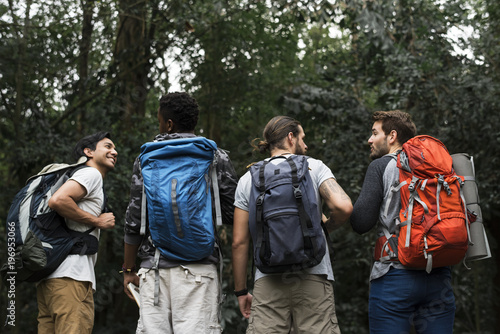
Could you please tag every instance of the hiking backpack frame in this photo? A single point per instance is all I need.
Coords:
(432, 229)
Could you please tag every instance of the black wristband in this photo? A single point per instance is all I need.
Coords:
(241, 292)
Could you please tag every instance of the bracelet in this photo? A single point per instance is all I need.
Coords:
(127, 270)
(241, 292)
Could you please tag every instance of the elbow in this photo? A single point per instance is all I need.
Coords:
(347, 210)
(343, 212)
(237, 245)
(55, 203)
(359, 224)
(357, 229)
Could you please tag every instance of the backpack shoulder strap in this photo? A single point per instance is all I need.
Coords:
(215, 187)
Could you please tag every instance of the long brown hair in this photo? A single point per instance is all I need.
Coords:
(275, 131)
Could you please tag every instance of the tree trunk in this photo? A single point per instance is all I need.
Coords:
(83, 61)
(132, 58)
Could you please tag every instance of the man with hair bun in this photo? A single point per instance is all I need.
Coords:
(302, 299)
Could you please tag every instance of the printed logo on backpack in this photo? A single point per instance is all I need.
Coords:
(284, 216)
(433, 225)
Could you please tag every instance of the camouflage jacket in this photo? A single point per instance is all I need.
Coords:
(227, 180)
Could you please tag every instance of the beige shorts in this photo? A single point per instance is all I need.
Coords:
(188, 300)
(284, 302)
(65, 306)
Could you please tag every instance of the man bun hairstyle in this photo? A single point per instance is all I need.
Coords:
(275, 131)
(182, 109)
(89, 141)
(397, 120)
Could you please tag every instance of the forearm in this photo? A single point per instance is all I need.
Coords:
(367, 207)
(338, 202)
(129, 255)
(241, 245)
(240, 262)
(129, 272)
(68, 209)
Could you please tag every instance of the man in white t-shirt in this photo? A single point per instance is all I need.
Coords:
(304, 299)
(65, 298)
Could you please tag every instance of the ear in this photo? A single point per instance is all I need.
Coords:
(169, 125)
(290, 138)
(393, 137)
(88, 152)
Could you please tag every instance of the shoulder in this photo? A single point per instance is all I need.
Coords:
(222, 155)
(381, 164)
(316, 163)
(87, 171)
(89, 177)
(319, 170)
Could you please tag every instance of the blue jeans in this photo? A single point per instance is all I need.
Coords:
(402, 298)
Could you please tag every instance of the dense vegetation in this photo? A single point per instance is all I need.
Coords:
(68, 69)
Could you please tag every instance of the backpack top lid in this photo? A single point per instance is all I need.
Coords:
(274, 176)
(54, 167)
(425, 157)
(192, 146)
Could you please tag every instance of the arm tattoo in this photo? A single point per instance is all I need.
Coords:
(334, 187)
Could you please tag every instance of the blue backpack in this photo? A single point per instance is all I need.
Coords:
(177, 174)
(284, 216)
(39, 236)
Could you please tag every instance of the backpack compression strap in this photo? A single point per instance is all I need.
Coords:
(259, 210)
(305, 220)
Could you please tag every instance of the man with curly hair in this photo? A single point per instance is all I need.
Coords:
(188, 292)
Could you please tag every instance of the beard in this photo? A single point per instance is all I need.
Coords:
(380, 150)
(299, 150)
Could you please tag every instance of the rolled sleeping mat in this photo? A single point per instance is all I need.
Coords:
(463, 164)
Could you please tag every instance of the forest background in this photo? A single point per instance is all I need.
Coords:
(70, 68)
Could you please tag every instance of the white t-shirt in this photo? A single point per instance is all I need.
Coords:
(81, 267)
(319, 173)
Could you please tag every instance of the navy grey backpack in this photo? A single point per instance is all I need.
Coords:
(38, 237)
(284, 216)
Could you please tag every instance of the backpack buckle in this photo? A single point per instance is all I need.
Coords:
(260, 200)
(297, 193)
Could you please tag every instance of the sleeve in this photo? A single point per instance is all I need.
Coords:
(367, 207)
(227, 180)
(323, 172)
(133, 214)
(89, 178)
(241, 200)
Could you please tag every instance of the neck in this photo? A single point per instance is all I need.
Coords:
(101, 170)
(395, 148)
(279, 152)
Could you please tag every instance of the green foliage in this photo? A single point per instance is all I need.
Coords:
(328, 64)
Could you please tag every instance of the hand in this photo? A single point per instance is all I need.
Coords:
(245, 303)
(130, 278)
(106, 221)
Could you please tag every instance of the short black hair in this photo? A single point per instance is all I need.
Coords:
(182, 109)
(89, 142)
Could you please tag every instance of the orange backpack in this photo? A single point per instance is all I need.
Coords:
(433, 225)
